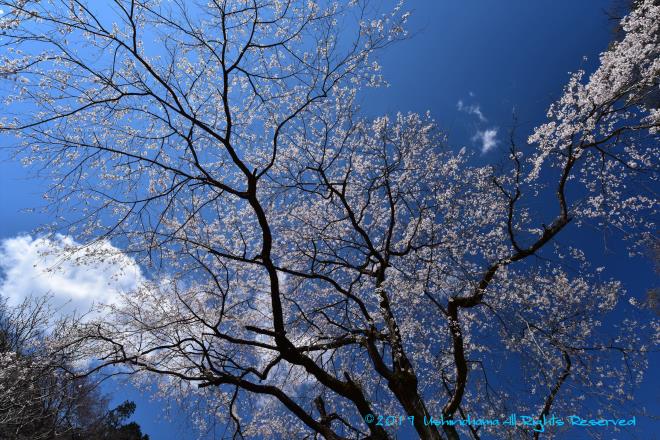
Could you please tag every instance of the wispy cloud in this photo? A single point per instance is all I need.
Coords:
(75, 278)
(487, 138)
(471, 109)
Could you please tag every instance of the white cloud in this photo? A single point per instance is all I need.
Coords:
(75, 277)
(488, 139)
(471, 109)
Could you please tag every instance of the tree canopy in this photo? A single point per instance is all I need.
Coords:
(38, 399)
(309, 267)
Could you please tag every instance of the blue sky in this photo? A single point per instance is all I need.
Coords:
(470, 63)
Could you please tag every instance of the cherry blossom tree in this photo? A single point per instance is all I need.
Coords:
(311, 269)
(38, 399)
(25, 384)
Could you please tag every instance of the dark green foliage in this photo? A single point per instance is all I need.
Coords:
(113, 425)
